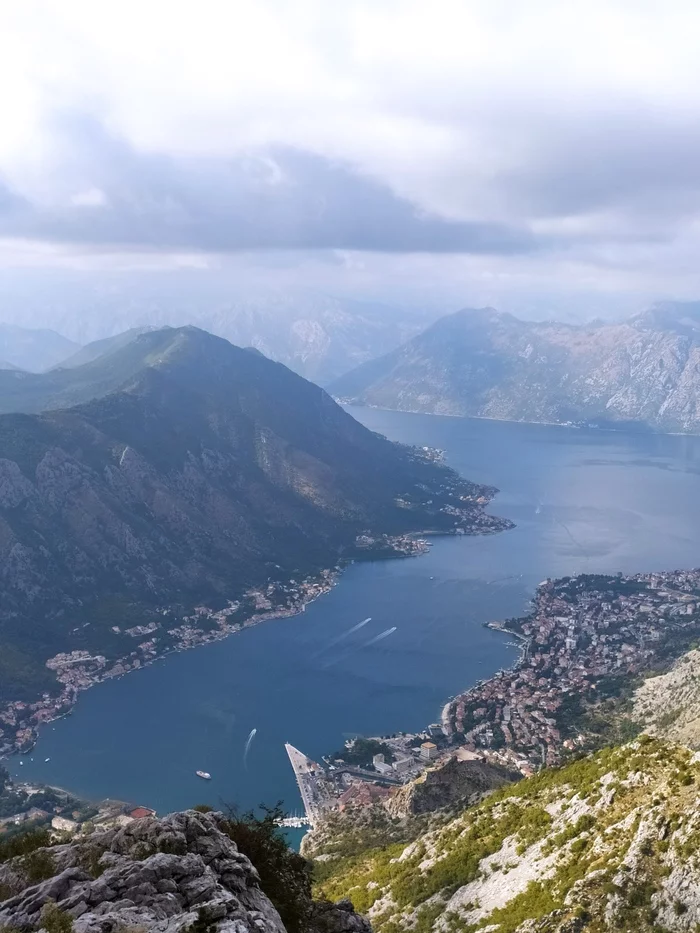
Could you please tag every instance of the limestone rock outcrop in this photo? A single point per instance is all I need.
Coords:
(153, 875)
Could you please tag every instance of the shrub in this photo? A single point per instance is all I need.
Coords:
(285, 876)
(54, 920)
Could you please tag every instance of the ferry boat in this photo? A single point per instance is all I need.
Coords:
(204, 775)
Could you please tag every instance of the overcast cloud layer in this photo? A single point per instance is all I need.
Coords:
(522, 149)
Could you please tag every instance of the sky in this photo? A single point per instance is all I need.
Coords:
(542, 156)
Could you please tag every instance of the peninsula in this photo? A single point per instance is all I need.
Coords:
(585, 637)
(582, 645)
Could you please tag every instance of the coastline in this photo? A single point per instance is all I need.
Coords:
(571, 425)
(581, 632)
(96, 669)
(77, 671)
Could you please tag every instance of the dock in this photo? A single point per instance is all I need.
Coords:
(309, 775)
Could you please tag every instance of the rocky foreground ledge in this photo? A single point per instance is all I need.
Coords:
(166, 875)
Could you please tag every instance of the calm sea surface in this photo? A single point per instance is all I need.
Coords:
(582, 501)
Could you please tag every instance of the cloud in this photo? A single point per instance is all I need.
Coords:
(102, 190)
(544, 142)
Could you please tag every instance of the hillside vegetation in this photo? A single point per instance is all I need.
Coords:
(608, 842)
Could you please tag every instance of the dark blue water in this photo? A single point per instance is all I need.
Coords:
(582, 501)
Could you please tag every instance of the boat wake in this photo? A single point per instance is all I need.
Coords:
(248, 743)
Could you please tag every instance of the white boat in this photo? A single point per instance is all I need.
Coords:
(203, 774)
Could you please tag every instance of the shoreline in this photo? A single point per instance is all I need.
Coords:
(571, 425)
(326, 580)
(581, 630)
(77, 671)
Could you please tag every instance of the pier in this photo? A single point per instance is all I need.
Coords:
(310, 779)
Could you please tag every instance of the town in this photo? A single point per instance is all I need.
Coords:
(581, 629)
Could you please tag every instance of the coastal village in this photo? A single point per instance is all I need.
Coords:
(162, 633)
(75, 671)
(26, 806)
(581, 630)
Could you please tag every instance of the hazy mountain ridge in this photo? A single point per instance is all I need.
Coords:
(98, 348)
(483, 363)
(66, 386)
(33, 349)
(319, 335)
(211, 470)
(323, 338)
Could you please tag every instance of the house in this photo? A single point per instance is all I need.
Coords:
(362, 795)
(141, 812)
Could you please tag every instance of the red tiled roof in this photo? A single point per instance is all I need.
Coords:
(140, 812)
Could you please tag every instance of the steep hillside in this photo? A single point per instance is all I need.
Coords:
(669, 705)
(96, 349)
(101, 371)
(609, 842)
(210, 472)
(33, 349)
(645, 372)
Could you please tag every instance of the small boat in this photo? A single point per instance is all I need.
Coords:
(204, 775)
(47, 759)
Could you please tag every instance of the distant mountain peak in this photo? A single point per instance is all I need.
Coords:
(481, 362)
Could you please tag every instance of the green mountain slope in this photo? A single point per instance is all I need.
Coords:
(607, 843)
(488, 364)
(64, 387)
(210, 471)
(96, 349)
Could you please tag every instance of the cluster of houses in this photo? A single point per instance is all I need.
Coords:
(581, 629)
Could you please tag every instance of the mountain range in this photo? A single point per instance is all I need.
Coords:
(180, 470)
(318, 335)
(33, 349)
(644, 372)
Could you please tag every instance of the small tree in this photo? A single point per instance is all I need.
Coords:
(285, 876)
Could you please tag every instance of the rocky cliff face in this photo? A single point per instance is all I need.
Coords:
(482, 363)
(610, 842)
(443, 786)
(166, 875)
(669, 705)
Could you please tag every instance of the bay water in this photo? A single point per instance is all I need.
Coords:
(582, 500)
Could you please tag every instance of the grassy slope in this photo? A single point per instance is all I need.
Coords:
(611, 841)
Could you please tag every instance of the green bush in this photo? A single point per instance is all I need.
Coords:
(285, 876)
(54, 920)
